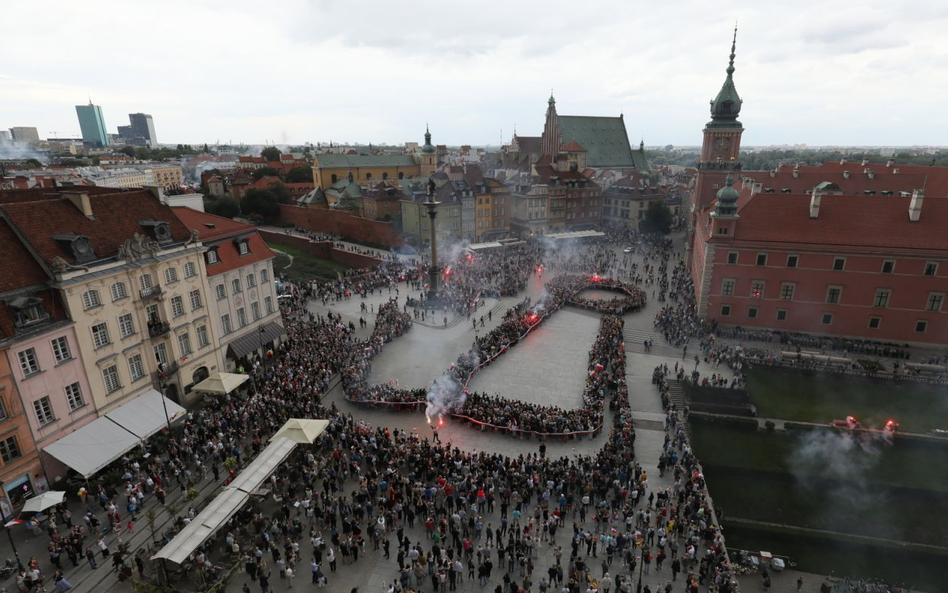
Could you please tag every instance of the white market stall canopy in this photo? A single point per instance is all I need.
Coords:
(221, 383)
(302, 430)
(255, 474)
(203, 526)
(228, 502)
(145, 415)
(575, 235)
(105, 439)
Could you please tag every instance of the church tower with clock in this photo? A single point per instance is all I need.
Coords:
(721, 148)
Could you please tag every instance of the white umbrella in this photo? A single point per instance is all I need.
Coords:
(45, 500)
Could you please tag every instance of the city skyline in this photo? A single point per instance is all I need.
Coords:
(818, 75)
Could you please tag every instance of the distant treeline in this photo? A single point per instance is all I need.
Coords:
(766, 160)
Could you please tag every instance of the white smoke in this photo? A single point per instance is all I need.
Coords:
(842, 458)
(445, 395)
(11, 150)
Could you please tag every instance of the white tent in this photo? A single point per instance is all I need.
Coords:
(93, 446)
(221, 383)
(145, 415)
(228, 502)
(302, 430)
(203, 526)
(105, 439)
(255, 474)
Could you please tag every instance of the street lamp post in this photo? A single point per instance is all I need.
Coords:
(638, 588)
(3, 516)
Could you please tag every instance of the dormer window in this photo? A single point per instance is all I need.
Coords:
(243, 248)
(158, 230)
(79, 245)
(27, 311)
(212, 256)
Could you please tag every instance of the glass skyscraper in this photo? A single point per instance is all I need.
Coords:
(92, 124)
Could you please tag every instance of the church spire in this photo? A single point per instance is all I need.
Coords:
(727, 105)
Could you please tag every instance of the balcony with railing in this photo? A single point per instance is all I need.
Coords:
(166, 370)
(156, 329)
(150, 293)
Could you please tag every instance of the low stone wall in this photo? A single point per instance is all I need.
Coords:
(375, 232)
(321, 250)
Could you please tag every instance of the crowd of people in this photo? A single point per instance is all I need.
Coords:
(495, 411)
(605, 373)
(363, 491)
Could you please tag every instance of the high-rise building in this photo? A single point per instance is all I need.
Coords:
(143, 125)
(24, 134)
(92, 124)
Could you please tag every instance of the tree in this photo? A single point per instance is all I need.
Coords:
(658, 218)
(271, 154)
(264, 172)
(222, 206)
(299, 175)
(260, 202)
(282, 194)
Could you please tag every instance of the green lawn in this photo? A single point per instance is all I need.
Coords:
(824, 397)
(304, 267)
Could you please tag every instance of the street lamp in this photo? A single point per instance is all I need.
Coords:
(3, 516)
(638, 588)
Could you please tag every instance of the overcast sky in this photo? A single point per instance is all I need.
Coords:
(288, 71)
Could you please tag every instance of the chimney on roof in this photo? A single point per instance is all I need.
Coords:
(773, 173)
(815, 203)
(870, 173)
(80, 199)
(890, 162)
(845, 174)
(865, 161)
(842, 161)
(895, 171)
(796, 172)
(915, 206)
(157, 191)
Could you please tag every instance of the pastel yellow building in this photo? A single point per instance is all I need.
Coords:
(133, 279)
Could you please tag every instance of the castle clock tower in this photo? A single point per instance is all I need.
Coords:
(721, 148)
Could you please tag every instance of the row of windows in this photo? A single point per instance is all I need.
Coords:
(243, 248)
(136, 366)
(236, 287)
(833, 294)
(242, 315)
(334, 178)
(487, 213)
(875, 322)
(43, 407)
(839, 263)
(126, 324)
(29, 362)
(119, 290)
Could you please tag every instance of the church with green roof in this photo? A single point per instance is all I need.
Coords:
(603, 139)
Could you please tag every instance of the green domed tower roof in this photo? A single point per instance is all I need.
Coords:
(727, 197)
(427, 148)
(727, 105)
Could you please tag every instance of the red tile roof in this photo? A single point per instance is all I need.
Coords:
(847, 220)
(217, 236)
(18, 269)
(573, 146)
(115, 219)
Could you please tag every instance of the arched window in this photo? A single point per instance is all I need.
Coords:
(333, 178)
(401, 175)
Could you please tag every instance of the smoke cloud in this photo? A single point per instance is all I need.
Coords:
(17, 150)
(840, 461)
(444, 395)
